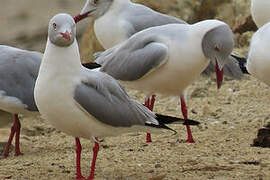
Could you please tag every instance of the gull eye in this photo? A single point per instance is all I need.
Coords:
(95, 1)
(54, 26)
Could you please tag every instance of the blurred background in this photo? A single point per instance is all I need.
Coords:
(24, 22)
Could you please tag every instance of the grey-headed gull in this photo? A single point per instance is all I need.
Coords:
(82, 102)
(18, 73)
(166, 59)
(116, 21)
(260, 12)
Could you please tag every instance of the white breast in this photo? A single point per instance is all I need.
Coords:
(111, 29)
(13, 105)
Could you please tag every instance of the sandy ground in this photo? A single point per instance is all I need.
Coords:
(230, 119)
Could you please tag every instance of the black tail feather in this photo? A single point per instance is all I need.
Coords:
(91, 65)
(242, 63)
(163, 119)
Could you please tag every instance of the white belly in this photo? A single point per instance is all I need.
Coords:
(13, 105)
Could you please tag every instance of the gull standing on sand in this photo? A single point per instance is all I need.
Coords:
(85, 103)
(117, 20)
(260, 12)
(166, 59)
(18, 73)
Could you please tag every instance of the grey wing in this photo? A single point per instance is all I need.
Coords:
(102, 97)
(105, 53)
(134, 59)
(18, 73)
(142, 17)
(231, 69)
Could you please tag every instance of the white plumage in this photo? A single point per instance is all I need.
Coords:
(260, 12)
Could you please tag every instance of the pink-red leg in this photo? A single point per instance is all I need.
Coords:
(95, 153)
(219, 75)
(149, 103)
(78, 159)
(17, 136)
(185, 114)
(152, 102)
(16, 128)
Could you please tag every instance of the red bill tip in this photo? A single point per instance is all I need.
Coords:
(79, 17)
(66, 35)
(219, 75)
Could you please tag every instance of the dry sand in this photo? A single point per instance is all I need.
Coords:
(230, 119)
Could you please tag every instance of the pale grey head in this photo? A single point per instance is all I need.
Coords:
(218, 44)
(62, 30)
(96, 8)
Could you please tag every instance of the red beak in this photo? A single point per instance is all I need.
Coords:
(79, 17)
(219, 74)
(66, 35)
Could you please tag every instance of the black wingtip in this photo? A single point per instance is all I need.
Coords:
(191, 123)
(164, 119)
(161, 126)
(242, 63)
(91, 65)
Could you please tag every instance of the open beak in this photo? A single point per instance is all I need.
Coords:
(80, 17)
(219, 74)
(66, 35)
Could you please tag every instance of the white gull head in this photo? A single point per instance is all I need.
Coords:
(62, 30)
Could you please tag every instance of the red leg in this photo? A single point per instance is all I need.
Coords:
(13, 130)
(78, 159)
(149, 103)
(219, 75)
(17, 137)
(95, 153)
(148, 138)
(148, 135)
(152, 102)
(185, 114)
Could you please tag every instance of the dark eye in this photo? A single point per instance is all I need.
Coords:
(95, 1)
(54, 26)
